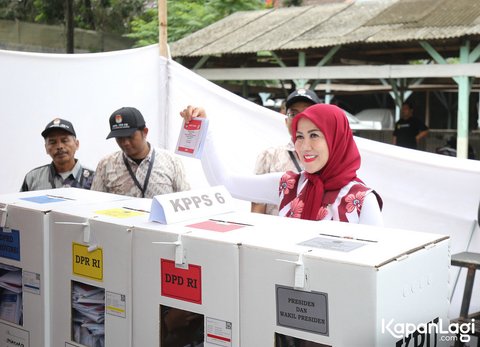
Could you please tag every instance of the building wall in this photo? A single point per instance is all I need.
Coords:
(31, 37)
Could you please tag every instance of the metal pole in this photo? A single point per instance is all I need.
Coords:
(463, 106)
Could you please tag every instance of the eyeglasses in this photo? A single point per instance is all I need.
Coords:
(291, 114)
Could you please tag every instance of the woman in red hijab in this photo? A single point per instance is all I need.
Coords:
(327, 189)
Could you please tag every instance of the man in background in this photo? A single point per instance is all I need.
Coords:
(61, 144)
(409, 130)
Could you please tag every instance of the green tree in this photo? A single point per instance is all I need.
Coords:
(49, 11)
(135, 18)
(186, 17)
(21, 9)
(109, 15)
(112, 16)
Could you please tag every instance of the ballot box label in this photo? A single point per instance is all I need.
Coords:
(191, 204)
(87, 264)
(334, 243)
(217, 225)
(43, 199)
(10, 243)
(219, 332)
(116, 304)
(301, 310)
(183, 284)
(31, 282)
(121, 213)
(11, 336)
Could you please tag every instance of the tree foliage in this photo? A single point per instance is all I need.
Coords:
(137, 19)
(104, 15)
(22, 9)
(186, 17)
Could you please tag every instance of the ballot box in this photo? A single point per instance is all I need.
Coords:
(186, 282)
(320, 284)
(91, 282)
(24, 261)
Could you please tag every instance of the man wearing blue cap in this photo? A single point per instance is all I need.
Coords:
(61, 143)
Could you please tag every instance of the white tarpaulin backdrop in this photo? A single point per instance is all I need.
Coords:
(421, 191)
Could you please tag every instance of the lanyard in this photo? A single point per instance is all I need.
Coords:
(147, 176)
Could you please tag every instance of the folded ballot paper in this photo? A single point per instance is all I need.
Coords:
(192, 138)
(11, 305)
(88, 304)
(12, 280)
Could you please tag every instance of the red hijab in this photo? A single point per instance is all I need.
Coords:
(343, 160)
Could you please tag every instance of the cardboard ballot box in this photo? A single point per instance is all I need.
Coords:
(186, 283)
(24, 261)
(339, 284)
(91, 252)
(299, 283)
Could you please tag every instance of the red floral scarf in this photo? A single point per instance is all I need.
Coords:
(340, 169)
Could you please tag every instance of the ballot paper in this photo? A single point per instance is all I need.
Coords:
(92, 335)
(12, 280)
(88, 303)
(8, 267)
(192, 138)
(11, 306)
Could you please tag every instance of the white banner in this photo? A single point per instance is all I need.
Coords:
(82, 88)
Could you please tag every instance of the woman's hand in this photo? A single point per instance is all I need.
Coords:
(191, 112)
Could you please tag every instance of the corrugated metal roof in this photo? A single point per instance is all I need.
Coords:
(327, 25)
(403, 12)
(294, 22)
(341, 27)
(196, 41)
(430, 13)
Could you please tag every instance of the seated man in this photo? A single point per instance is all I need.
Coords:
(61, 143)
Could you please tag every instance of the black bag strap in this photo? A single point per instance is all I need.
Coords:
(295, 161)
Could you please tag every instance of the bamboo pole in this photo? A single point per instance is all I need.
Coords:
(162, 27)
